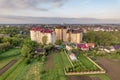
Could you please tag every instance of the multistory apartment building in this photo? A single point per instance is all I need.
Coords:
(36, 34)
(68, 35)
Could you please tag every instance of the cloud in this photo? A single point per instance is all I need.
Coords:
(30, 4)
(51, 20)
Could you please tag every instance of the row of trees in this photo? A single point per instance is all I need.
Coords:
(12, 37)
(14, 41)
(102, 38)
(7, 43)
(13, 30)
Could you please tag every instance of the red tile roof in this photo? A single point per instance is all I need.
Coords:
(42, 30)
(36, 28)
(82, 46)
(90, 44)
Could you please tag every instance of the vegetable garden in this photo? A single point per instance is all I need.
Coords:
(82, 64)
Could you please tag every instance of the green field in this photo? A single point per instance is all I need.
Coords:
(21, 71)
(57, 72)
(7, 56)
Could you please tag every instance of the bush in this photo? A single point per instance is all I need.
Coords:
(43, 58)
(28, 61)
(43, 72)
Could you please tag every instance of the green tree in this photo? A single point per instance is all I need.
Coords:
(58, 42)
(25, 50)
(44, 40)
(28, 47)
(100, 38)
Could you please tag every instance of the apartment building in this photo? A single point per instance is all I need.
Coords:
(68, 35)
(36, 34)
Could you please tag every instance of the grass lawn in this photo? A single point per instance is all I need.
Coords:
(57, 72)
(7, 56)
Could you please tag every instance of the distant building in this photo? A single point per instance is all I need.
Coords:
(91, 45)
(36, 34)
(68, 35)
(4, 35)
(61, 33)
(83, 46)
(74, 35)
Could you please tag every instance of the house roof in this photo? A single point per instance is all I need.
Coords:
(72, 56)
(116, 47)
(40, 50)
(90, 44)
(82, 46)
(74, 31)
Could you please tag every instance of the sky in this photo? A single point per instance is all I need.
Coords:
(17, 10)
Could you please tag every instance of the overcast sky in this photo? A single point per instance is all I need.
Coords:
(11, 10)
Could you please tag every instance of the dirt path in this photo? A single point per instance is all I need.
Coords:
(112, 67)
(49, 62)
(6, 67)
(36, 71)
(79, 78)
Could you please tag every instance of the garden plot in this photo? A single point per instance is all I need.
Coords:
(83, 65)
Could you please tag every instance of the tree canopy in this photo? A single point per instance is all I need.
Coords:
(102, 38)
(44, 40)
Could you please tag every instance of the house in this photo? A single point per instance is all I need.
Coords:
(83, 46)
(68, 47)
(91, 45)
(39, 51)
(4, 35)
(111, 49)
(107, 50)
(116, 47)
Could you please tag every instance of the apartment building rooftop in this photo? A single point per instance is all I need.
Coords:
(42, 30)
(74, 30)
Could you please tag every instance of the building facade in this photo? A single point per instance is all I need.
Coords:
(61, 34)
(69, 35)
(37, 33)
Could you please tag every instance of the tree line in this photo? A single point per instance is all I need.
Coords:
(102, 38)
